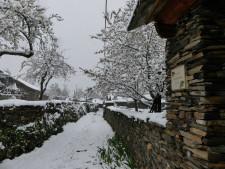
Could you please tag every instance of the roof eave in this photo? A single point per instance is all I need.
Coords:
(146, 12)
(165, 13)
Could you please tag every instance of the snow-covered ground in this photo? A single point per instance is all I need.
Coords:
(75, 148)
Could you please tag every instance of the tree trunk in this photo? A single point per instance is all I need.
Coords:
(136, 105)
(43, 85)
(41, 95)
(156, 106)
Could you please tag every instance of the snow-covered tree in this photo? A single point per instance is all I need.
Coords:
(47, 64)
(53, 90)
(133, 64)
(78, 93)
(91, 93)
(65, 91)
(23, 25)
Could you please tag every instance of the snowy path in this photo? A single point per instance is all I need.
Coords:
(75, 148)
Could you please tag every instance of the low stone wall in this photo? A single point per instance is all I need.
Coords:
(22, 128)
(149, 143)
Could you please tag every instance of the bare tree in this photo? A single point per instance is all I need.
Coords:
(48, 63)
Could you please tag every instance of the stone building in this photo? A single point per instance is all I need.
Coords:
(17, 88)
(195, 32)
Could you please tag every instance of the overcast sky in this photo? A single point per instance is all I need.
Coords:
(82, 18)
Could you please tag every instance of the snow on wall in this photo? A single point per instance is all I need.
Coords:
(17, 102)
(159, 118)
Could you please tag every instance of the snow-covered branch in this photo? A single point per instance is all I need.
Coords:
(23, 25)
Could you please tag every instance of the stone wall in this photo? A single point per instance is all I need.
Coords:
(196, 115)
(149, 144)
(22, 128)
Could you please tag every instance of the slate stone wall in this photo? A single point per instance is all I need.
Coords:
(149, 144)
(23, 128)
(197, 115)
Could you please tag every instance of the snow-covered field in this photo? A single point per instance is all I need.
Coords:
(75, 148)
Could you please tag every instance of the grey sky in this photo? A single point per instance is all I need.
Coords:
(82, 18)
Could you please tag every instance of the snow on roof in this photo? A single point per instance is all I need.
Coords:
(20, 80)
(17, 102)
(159, 118)
(109, 101)
(148, 96)
(120, 99)
(28, 84)
(97, 101)
(123, 99)
(1, 84)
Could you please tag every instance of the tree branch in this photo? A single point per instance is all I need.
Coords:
(17, 53)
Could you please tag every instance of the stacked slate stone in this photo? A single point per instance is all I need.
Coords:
(197, 114)
(146, 142)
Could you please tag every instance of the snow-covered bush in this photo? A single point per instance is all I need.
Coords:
(84, 108)
(2, 147)
(115, 155)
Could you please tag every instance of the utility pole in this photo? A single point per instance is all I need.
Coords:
(106, 12)
(106, 15)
